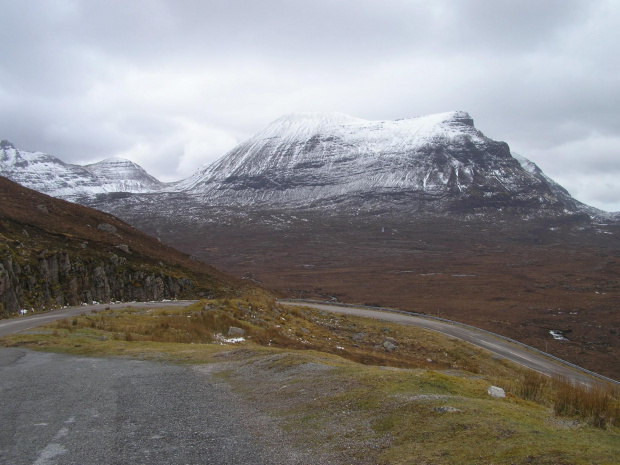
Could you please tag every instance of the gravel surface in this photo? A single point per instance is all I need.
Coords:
(58, 409)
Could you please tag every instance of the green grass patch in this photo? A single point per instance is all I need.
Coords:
(332, 384)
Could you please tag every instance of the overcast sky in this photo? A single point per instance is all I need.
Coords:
(174, 84)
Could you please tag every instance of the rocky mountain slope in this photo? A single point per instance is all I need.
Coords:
(55, 253)
(50, 175)
(437, 163)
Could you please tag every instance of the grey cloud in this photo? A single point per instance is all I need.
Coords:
(165, 81)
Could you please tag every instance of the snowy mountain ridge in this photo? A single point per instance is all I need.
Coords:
(121, 175)
(50, 175)
(45, 173)
(302, 141)
(436, 162)
(433, 163)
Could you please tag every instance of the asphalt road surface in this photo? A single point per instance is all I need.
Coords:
(14, 325)
(501, 347)
(59, 410)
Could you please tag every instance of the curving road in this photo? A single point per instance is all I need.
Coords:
(521, 354)
(517, 353)
(15, 325)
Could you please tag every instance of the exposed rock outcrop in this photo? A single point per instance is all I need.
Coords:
(55, 279)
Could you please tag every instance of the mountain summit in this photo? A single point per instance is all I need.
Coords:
(121, 175)
(438, 161)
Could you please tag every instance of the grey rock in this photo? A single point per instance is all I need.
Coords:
(233, 331)
(447, 409)
(107, 227)
(60, 279)
(496, 392)
(359, 336)
(387, 345)
(123, 247)
(43, 208)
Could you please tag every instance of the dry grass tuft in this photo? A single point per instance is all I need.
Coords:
(531, 385)
(599, 405)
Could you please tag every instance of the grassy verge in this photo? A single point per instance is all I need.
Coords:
(363, 391)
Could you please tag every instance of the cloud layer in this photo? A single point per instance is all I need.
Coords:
(175, 84)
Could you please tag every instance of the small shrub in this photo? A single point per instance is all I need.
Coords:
(63, 324)
(296, 312)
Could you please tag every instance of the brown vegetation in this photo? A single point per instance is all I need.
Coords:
(517, 278)
(355, 339)
(599, 404)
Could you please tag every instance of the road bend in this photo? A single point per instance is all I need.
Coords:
(517, 353)
(15, 325)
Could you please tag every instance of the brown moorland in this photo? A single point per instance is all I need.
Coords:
(521, 278)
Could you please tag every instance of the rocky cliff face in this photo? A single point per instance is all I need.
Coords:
(54, 279)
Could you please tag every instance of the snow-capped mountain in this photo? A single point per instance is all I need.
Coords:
(310, 158)
(45, 173)
(434, 163)
(50, 175)
(121, 175)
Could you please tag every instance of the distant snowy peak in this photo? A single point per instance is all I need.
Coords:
(306, 125)
(438, 162)
(50, 175)
(121, 175)
(45, 173)
(328, 145)
(301, 158)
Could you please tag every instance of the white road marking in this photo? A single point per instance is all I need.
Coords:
(54, 448)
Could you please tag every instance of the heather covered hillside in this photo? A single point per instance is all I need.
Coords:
(55, 253)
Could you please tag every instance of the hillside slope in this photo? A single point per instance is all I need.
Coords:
(55, 253)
